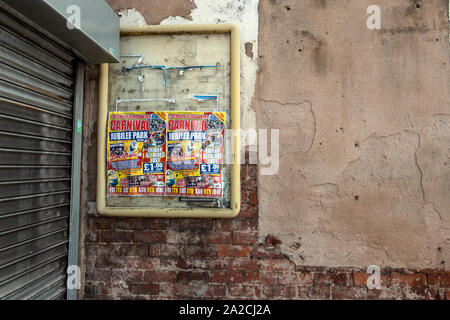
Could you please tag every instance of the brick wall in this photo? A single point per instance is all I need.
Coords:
(223, 259)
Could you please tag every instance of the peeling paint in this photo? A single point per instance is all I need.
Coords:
(131, 17)
(244, 14)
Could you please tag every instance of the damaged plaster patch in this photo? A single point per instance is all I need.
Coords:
(297, 122)
(131, 17)
(374, 214)
(390, 214)
(244, 14)
(155, 11)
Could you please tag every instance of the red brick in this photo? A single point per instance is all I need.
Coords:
(440, 280)
(248, 212)
(252, 276)
(252, 172)
(109, 262)
(386, 293)
(286, 278)
(93, 236)
(98, 297)
(223, 225)
(202, 251)
(276, 265)
(247, 183)
(90, 288)
(96, 249)
(447, 295)
(294, 278)
(254, 198)
(226, 250)
(360, 279)
(160, 224)
(131, 224)
(118, 275)
(245, 198)
(116, 236)
(310, 269)
(244, 291)
(190, 291)
(279, 291)
(99, 275)
(348, 293)
(227, 277)
(262, 252)
(101, 223)
(160, 276)
(144, 288)
(269, 277)
(431, 271)
(186, 237)
(411, 280)
(272, 240)
(208, 264)
(107, 288)
(173, 263)
(245, 237)
(245, 224)
(188, 276)
(423, 293)
(129, 250)
(149, 236)
(217, 237)
(243, 264)
(196, 224)
(314, 292)
(213, 290)
(327, 278)
(141, 263)
(163, 250)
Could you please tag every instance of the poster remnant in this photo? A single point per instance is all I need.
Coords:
(166, 154)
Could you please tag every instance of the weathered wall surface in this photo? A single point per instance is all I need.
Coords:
(366, 179)
(364, 120)
(242, 13)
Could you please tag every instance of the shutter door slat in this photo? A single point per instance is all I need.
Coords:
(32, 217)
(16, 173)
(15, 286)
(11, 189)
(27, 112)
(8, 139)
(23, 126)
(25, 80)
(7, 20)
(36, 107)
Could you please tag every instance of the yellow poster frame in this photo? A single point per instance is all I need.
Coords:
(235, 49)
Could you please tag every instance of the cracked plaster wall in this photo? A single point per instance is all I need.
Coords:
(364, 164)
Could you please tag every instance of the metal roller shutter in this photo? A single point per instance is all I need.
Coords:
(36, 105)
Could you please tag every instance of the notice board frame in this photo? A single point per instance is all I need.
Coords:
(234, 209)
